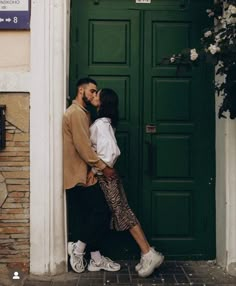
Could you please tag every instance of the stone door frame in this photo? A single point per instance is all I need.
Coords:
(48, 90)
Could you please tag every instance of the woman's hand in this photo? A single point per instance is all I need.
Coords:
(91, 179)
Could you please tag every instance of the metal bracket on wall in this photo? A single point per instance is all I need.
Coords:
(2, 127)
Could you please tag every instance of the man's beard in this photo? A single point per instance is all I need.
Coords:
(85, 100)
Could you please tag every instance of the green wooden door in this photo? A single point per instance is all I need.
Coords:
(166, 130)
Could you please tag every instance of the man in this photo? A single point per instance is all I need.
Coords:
(90, 213)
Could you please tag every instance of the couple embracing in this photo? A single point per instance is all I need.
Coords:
(93, 187)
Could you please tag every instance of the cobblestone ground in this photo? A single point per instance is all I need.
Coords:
(170, 273)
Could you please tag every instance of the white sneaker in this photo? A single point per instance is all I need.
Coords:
(77, 261)
(139, 265)
(105, 264)
(150, 261)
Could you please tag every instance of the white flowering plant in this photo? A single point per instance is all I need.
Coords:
(218, 47)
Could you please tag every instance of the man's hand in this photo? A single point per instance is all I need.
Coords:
(91, 179)
(109, 172)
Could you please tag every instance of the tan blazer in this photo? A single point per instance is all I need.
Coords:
(77, 151)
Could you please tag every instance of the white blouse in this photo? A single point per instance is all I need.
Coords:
(104, 142)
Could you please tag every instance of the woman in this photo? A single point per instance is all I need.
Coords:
(104, 142)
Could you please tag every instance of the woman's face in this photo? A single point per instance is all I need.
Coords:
(96, 100)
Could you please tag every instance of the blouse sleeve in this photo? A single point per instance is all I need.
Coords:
(106, 144)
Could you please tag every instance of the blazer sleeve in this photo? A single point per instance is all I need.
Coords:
(81, 140)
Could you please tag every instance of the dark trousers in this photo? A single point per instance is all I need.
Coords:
(88, 215)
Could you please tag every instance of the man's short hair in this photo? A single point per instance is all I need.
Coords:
(85, 80)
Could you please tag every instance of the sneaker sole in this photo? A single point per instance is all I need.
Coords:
(93, 269)
(151, 270)
(137, 268)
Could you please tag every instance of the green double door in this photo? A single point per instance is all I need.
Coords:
(166, 130)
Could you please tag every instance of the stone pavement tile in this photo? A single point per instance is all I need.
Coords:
(92, 274)
(123, 279)
(65, 283)
(181, 278)
(90, 282)
(37, 283)
(110, 278)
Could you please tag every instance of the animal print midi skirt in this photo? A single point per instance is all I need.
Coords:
(123, 217)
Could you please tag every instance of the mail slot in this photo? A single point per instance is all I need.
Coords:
(151, 128)
(2, 127)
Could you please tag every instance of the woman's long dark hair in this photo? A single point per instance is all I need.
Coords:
(109, 106)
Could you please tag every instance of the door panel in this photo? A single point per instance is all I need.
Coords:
(178, 184)
(168, 174)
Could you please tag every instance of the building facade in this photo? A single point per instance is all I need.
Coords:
(34, 85)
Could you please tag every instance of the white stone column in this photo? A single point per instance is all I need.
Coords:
(231, 196)
(49, 73)
(226, 192)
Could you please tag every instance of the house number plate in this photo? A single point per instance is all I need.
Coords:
(144, 1)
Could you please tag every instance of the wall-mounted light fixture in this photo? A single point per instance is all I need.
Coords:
(2, 127)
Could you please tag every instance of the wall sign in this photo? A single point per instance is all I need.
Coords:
(143, 1)
(14, 14)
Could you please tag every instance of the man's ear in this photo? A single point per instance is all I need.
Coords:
(80, 90)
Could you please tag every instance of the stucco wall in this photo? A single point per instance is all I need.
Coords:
(15, 50)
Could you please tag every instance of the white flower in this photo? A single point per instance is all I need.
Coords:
(172, 59)
(213, 49)
(207, 34)
(232, 9)
(193, 54)
(211, 14)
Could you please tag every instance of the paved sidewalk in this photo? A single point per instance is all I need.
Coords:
(170, 273)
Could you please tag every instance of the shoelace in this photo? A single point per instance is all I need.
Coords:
(107, 260)
(80, 262)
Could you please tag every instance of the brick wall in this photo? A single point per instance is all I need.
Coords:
(15, 185)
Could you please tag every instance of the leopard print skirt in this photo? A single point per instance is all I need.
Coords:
(123, 217)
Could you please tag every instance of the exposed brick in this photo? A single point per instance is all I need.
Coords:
(17, 200)
(23, 266)
(16, 182)
(5, 236)
(16, 195)
(21, 137)
(25, 143)
(12, 188)
(11, 206)
(14, 211)
(16, 174)
(14, 154)
(14, 159)
(14, 229)
(9, 136)
(19, 235)
(12, 224)
(14, 164)
(16, 149)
